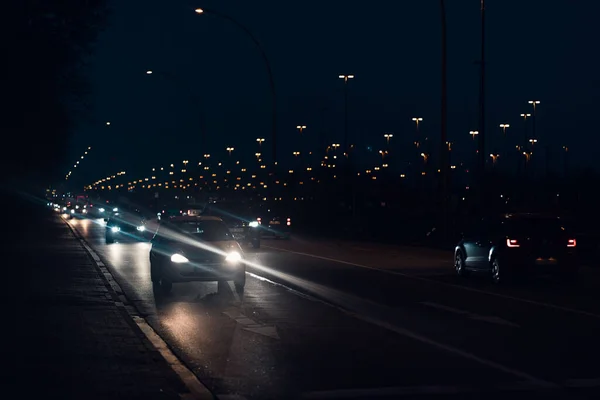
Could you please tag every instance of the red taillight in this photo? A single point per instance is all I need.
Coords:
(572, 243)
(512, 243)
(259, 220)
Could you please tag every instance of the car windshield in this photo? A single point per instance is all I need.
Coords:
(210, 231)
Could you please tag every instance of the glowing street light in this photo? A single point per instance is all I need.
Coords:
(504, 126)
(425, 157)
(534, 103)
(383, 153)
(301, 128)
(107, 123)
(387, 137)
(260, 141)
(525, 116)
(532, 141)
(494, 157)
(417, 120)
(230, 149)
(473, 134)
(149, 72)
(296, 153)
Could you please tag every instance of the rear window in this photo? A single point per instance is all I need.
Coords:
(536, 225)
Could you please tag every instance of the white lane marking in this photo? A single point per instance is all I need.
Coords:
(412, 391)
(197, 390)
(423, 339)
(470, 315)
(460, 287)
(252, 326)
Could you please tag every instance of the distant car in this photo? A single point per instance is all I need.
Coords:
(274, 222)
(516, 244)
(130, 224)
(240, 218)
(195, 248)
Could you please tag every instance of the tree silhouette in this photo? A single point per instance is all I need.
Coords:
(46, 46)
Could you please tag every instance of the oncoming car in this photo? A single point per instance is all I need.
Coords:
(195, 248)
(125, 224)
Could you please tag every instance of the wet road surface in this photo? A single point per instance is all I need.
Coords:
(325, 319)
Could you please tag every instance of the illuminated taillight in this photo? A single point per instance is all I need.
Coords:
(512, 243)
(259, 220)
(572, 243)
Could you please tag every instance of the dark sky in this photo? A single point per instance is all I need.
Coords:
(536, 49)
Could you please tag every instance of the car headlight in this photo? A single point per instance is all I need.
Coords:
(84, 211)
(141, 228)
(179, 259)
(72, 211)
(253, 224)
(102, 210)
(115, 209)
(115, 229)
(64, 208)
(233, 257)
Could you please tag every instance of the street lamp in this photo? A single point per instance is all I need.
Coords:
(425, 157)
(417, 120)
(494, 158)
(346, 78)
(534, 103)
(504, 126)
(473, 134)
(149, 72)
(230, 149)
(383, 153)
(107, 123)
(260, 141)
(387, 137)
(296, 153)
(202, 11)
(301, 128)
(532, 141)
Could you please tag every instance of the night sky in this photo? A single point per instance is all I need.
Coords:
(536, 49)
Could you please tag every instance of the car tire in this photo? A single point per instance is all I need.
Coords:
(240, 282)
(154, 273)
(499, 273)
(459, 264)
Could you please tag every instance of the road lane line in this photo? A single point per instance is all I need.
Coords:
(418, 337)
(460, 287)
(197, 390)
(468, 314)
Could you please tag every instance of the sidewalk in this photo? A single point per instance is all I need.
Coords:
(63, 334)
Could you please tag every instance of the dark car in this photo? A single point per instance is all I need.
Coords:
(195, 248)
(516, 244)
(130, 224)
(240, 218)
(274, 222)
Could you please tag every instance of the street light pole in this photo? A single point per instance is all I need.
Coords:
(267, 65)
(482, 101)
(346, 78)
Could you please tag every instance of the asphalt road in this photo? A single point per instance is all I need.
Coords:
(326, 319)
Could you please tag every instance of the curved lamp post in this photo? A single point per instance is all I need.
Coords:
(267, 65)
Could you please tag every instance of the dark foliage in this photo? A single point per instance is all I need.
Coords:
(46, 43)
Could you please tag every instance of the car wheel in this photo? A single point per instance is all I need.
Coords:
(154, 274)
(497, 272)
(109, 238)
(459, 264)
(240, 282)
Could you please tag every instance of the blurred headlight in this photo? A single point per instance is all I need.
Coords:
(253, 224)
(233, 257)
(84, 211)
(101, 210)
(115, 229)
(72, 211)
(64, 208)
(141, 228)
(115, 209)
(179, 259)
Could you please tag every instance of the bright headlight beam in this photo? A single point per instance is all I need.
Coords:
(253, 224)
(141, 228)
(233, 257)
(115, 209)
(179, 259)
(115, 229)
